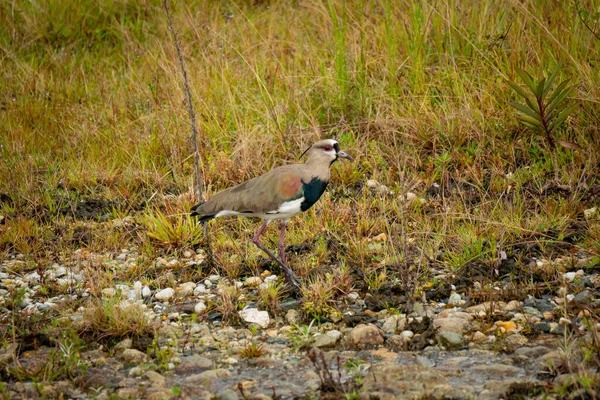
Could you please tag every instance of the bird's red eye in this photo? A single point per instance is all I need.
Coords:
(327, 148)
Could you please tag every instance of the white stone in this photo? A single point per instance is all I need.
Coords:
(570, 276)
(589, 212)
(456, 300)
(165, 294)
(200, 289)
(187, 254)
(146, 292)
(253, 281)
(394, 323)
(407, 334)
(254, 316)
(33, 277)
(109, 292)
(352, 296)
(199, 307)
(185, 289)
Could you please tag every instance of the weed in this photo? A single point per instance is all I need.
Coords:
(269, 297)
(172, 231)
(229, 304)
(110, 320)
(544, 111)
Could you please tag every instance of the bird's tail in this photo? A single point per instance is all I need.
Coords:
(203, 218)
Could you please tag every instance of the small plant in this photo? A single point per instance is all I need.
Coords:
(544, 111)
(302, 337)
(112, 319)
(318, 297)
(172, 231)
(253, 350)
(269, 297)
(229, 304)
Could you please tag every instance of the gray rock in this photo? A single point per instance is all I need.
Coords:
(134, 356)
(7, 354)
(123, 345)
(328, 339)
(425, 362)
(226, 394)
(193, 364)
(456, 300)
(513, 342)
(292, 317)
(451, 339)
(155, 378)
(136, 371)
(532, 352)
(450, 324)
(364, 336)
(540, 304)
(207, 376)
(496, 371)
(584, 297)
(394, 323)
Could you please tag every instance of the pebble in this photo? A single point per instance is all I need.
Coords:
(185, 289)
(394, 323)
(193, 364)
(328, 339)
(456, 325)
(134, 356)
(200, 289)
(254, 316)
(253, 281)
(199, 307)
(165, 294)
(292, 317)
(146, 292)
(456, 300)
(451, 339)
(364, 336)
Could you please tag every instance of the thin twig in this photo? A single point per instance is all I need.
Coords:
(188, 95)
(194, 136)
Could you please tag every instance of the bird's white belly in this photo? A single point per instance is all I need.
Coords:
(286, 210)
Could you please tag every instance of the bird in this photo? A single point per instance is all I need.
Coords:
(279, 194)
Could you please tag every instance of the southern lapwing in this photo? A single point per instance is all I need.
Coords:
(279, 194)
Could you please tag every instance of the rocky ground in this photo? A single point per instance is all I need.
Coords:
(452, 344)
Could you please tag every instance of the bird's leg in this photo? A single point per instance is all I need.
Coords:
(281, 245)
(290, 275)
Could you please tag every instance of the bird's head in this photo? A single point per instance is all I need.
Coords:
(327, 150)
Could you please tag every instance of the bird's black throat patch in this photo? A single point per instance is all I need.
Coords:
(312, 191)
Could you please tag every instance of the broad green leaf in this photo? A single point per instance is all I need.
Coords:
(562, 116)
(525, 110)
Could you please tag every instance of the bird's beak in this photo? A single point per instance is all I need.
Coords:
(343, 155)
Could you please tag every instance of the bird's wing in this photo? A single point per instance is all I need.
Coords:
(259, 195)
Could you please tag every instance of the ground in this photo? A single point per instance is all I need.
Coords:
(457, 255)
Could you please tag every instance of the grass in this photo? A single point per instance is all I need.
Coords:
(95, 146)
